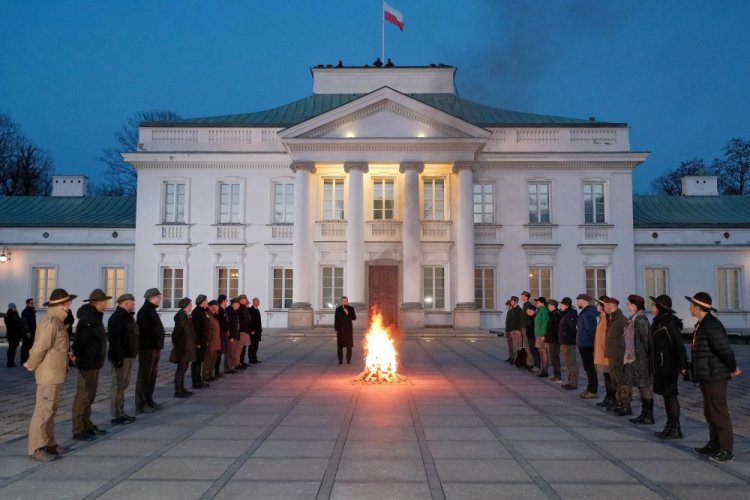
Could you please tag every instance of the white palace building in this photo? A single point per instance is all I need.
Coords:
(386, 186)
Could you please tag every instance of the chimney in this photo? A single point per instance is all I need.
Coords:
(700, 185)
(69, 185)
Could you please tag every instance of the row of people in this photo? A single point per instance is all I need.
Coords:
(631, 351)
(20, 329)
(127, 335)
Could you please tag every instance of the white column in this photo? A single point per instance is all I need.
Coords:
(466, 314)
(355, 234)
(300, 315)
(412, 312)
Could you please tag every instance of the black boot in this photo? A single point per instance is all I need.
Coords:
(623, 410)
(666, 430)
(613, 405)
(641, 419)
(674, 432)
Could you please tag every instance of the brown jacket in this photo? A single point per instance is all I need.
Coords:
(48, 358)
(214, 336)
(601, 335)
(614, 347)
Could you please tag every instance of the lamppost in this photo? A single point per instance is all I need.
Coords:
(5, 256)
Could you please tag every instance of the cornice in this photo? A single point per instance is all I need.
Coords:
(213, 165)
(384, 147)
(554, 165)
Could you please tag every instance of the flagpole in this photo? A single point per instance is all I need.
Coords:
(382, 38)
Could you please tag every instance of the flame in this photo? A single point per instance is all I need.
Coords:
(379, 346)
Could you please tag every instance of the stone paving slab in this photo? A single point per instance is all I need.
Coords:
(465, 425)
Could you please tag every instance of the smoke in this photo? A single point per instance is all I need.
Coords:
(520, 45)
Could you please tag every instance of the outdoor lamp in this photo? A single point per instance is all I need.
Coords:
(5, 256)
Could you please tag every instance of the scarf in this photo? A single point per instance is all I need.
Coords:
(630, 337)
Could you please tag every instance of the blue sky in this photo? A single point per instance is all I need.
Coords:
(677, 71)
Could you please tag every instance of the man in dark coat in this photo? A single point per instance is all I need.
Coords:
(533, 362)
(256, 330)
(123, 334)
(244, 318)
(713, 366)
(343, 320)
(566, 335)
(149, 352)
(513, 329)
(202, 334)
(585, 339)
(232, 360)
(221, 315)
(28, 317)
(183, 350)
(614, 350)
(69, 320)
(13, 333)
(89, 352)
(552, 341)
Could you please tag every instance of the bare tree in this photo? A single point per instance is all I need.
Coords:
(734, 169)
(25, 169)
(121, 177)
(669, 182)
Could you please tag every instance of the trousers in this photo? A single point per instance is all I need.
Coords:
(196, 367)
(120, 382)
(571, 363)
(340, 353)
(88, 383)
(209, 361)
(716, 411)
(623, 388)
(42, 426)
(554, 359)
(148, 369)
(179, 376)
(587, 357)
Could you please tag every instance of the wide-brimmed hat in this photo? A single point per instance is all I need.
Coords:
(59, 296)
(184, 302)
(601, 299)
(98, 295)
(151, 292)
(663, 302)
(702, 299)
(199, 299)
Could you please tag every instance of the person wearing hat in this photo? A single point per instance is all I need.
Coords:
(232, 360)
(637, 358)
(714, 366)
(89, 353)
(243, 314)
(668, 358)
(201, 326)
(614, 349)
(213, 344)
(256, 330)
(552, 340)
(534, 361)
(567, 337)
(183, 346)
(221, 315)
(48, 359)
(541, 319)
(151, 343)
(513, 329)
(123, 334)
(28, 317)
(600, 359)
(13, 333)
(585, 338)
(507, 308)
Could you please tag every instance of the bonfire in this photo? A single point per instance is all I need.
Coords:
(380, 350)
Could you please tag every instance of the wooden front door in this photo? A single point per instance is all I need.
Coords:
(384, 292)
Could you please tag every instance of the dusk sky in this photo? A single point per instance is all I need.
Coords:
(677, 71)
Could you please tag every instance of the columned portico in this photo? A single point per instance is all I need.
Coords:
(355, 241)
(301, 314)
(466, 314)
(412, 312)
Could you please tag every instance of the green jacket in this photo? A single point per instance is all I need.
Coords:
(541, 318)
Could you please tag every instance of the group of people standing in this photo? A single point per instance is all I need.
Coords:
(20, 329)
(200, 338)
(629, 351)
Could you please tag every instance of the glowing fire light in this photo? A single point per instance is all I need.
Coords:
(380, 349)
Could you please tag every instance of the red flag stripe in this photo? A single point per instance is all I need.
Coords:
(392, 19)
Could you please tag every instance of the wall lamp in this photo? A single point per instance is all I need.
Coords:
(5, 256)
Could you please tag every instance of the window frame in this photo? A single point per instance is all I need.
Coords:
(548, 184)
(38, 299)
(219, 205)
(287, 284)
(433, 296)
(596, 292)
(433, 180)
(383, 181)
(334, 200)
(653, 283)
(217, 280)
(539, 285)
(738, 273)
(605, 212)
(285, 204)
(174, 297)
(481, 301)
(336, 292)
(165, 203)
(114, 293)
(482, 184)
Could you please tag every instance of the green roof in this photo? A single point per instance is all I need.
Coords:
(691, 211)
(67, 211)
(296, 112)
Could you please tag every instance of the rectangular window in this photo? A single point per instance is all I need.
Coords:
(596, 282)
(333, 199)
(539, 203)
(540, 282)
(484, 287)
(228, 281)
(172, 286)
(114, 284)
(593, 203)
(434, 288)
(434, 199)
(282, 288)
(174, 203)
(333, 286)
(382, 200)
(656, 281)
(484, 203)
(283, 203)
(229, 203)
(45, 279)
(729, 289)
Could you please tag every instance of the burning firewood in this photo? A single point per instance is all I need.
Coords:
(380, 350)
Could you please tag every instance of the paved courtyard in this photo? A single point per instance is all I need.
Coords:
(465, 425)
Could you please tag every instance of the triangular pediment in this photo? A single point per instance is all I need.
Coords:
(384, 114)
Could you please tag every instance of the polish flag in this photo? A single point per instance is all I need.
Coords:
(393, 16)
